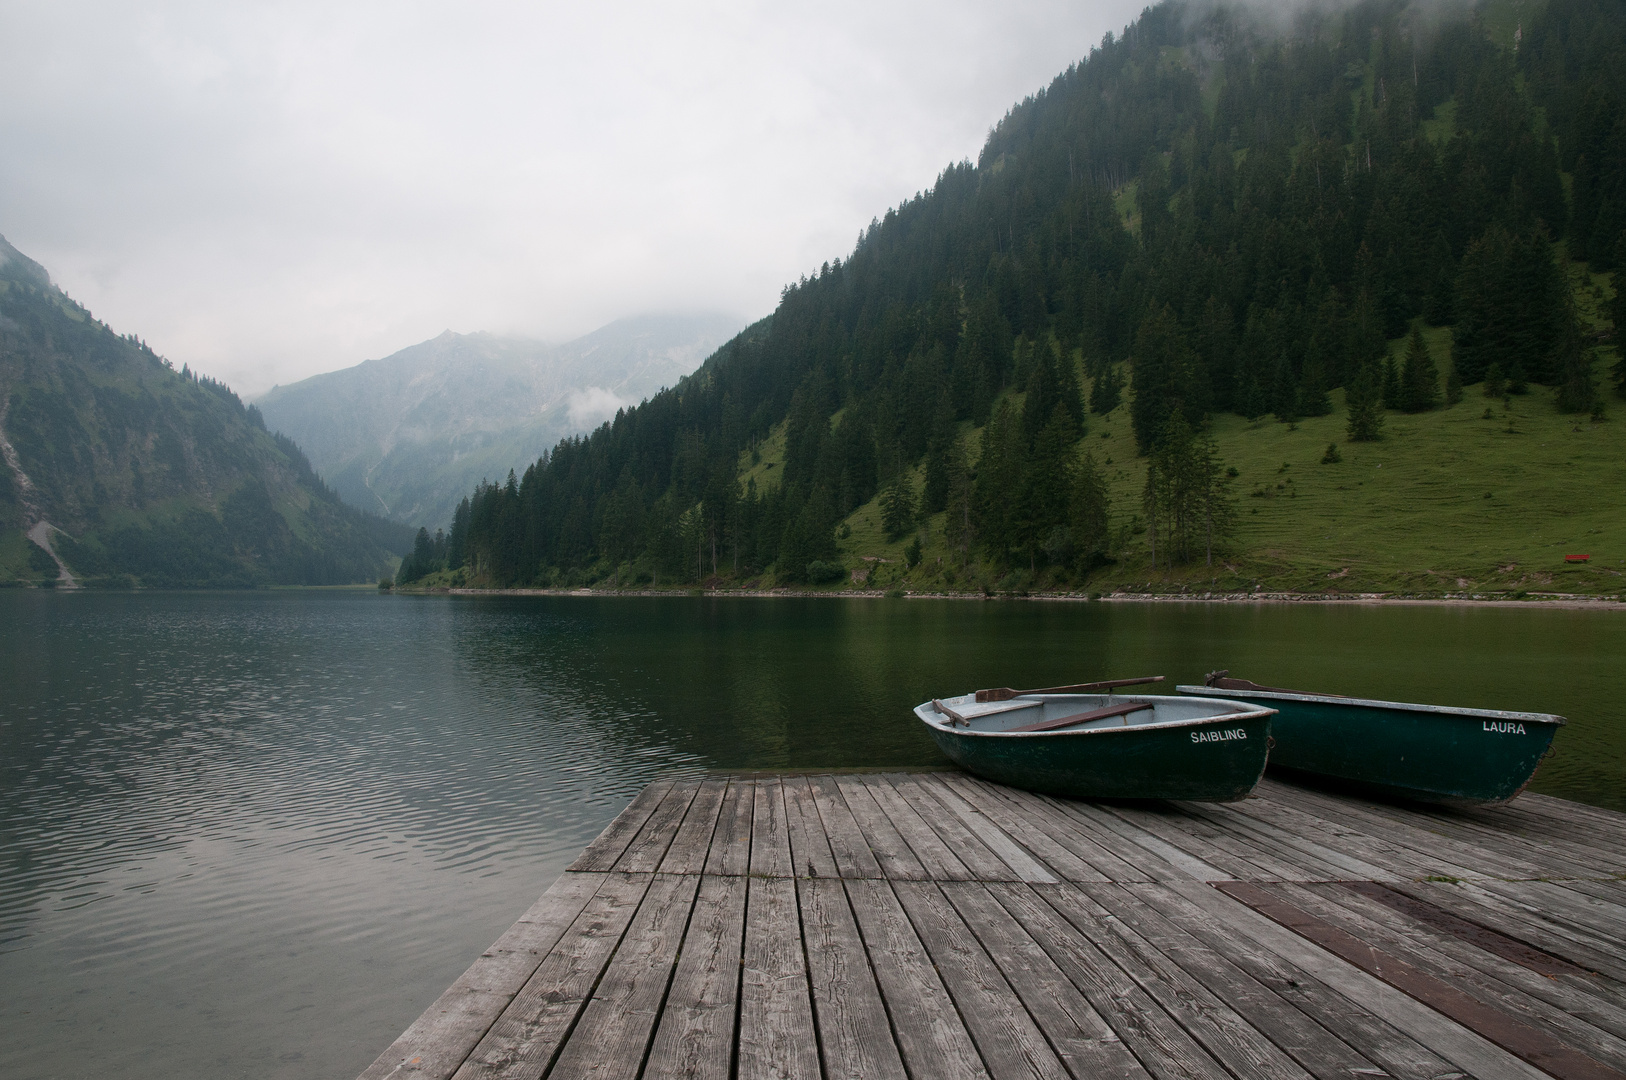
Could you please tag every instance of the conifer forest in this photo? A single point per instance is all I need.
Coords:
(1214, 213)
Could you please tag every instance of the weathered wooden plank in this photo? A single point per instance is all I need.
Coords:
(649, 846)
(1245, 857)
(529, 1033)
(930, 1034)
(1588, 914)
(1519, 922)
(1315, 1050)
(954, 832)
(777, 1036)
(1038, 817)
(1008, 860)
(1081, 837)
(731, 840)
(1427, 834)
(770, 832)
(1563, 815)
(1394, 1051)
(613, 1034)
(1010, 1043)
(848, 848)
(1212, 1022)
(1054, 859)
(1378, 857)
(1086, 1044)
(696, 1034)
(439, 1040)
(809, 846)
(1318, 857)
(853, 1028)
(687, 855)
(602, 853)
(1182, 826)
(1161, 1045)
(891, 851)
(939, 863)
(1513, 1033)
(1159, 858)
(1470, 1052)
(1500, 986)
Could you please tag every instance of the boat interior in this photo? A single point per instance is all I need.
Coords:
(1030, 713)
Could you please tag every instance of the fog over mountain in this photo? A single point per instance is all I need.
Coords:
(410, 434)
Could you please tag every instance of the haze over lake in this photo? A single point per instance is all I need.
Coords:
(255, 834)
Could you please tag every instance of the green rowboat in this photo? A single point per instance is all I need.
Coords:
(1105, 746)
(1431, 753)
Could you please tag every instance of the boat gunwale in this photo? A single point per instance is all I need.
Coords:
(1150, 699)
(1198, 692)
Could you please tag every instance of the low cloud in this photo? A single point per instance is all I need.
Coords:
(591, 407)
(270, 190)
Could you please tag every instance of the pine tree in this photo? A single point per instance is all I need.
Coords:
(1419, 377)
(898, 505)
(1453, 387)
(1042, 505)
(1364, 400)
(1391, 384)
(1577, 392)
(1165, 378)
(1089, 513)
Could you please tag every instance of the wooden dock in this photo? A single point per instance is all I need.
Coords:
(929, 925)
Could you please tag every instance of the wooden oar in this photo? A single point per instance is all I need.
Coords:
(1005, 693)
(1085, 717)
(950, 713)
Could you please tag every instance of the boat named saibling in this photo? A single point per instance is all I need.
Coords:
(1105, 746)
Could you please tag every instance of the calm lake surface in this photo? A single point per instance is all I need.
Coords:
(255, 834)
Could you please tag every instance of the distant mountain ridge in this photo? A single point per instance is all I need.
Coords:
(409, 434)
(115, 469)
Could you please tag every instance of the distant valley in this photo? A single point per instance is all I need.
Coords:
(116, 470)
(408, 435)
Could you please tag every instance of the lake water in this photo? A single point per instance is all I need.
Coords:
(255, 834)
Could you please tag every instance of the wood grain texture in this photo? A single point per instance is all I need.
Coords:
(777, 1037)
(529, 1033)
(809, 845)
(731, 841)
(848, 848)
(696, 1035)
(854, 1029)
(689, 849)
(615, 1028)
(901, 925)
(602, 853)
(930, 1034)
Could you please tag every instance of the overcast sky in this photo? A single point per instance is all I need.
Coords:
(271, 190)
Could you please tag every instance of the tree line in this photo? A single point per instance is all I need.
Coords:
(1208, 214)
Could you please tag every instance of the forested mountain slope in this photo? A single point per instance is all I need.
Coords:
(1212, 217)
(137, 474)
(410, 434)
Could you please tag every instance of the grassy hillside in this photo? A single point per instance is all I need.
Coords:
(1483, 497)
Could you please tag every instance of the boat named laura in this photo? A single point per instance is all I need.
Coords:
(1086, 742)
(1431, 753)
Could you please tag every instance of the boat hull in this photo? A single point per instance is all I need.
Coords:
(1218, 761)
(1426, 753)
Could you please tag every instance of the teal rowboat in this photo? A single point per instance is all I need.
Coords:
(1106, 746)
(1430, 753)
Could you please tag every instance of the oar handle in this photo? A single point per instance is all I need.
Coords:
(1005, 693)
(950, 713)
